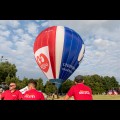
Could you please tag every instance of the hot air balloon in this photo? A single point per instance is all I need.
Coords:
(58, 52)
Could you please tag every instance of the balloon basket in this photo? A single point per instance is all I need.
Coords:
(58, 83)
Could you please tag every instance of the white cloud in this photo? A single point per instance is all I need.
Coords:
(23, 47)
(101, 38)
(19, 31)
(100, 43)
(19, 49)
(4, 33)
(78, 25)
(26, 38)
(32, 28)
(15, 38)
(44, 24)
(21, 36)
(2, 39)
(37, 20)
(5, 45)
(93, 21)
(99, 54)
(2, 27)
(11, 23)
(14, 23)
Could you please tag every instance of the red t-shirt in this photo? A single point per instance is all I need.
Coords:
(33, 94)
(80, 92)
(8, 95)
(0, 96)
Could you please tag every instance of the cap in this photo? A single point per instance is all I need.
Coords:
(79, 78)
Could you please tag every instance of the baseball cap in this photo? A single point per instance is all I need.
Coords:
(79, 78)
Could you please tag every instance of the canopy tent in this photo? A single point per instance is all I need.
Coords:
(112, 92)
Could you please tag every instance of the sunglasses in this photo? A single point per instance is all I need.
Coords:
(11, 85)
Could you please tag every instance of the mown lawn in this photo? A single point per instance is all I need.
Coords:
(106, 97)
(98, 97)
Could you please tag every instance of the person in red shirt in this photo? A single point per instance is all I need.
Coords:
(32, 93)
(1, 91)
(12, 93)
(79, 91)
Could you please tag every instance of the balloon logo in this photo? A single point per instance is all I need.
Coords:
(43, 62)
(58, 52)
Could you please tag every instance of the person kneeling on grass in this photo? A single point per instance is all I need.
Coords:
(32, 93)
(79, 91)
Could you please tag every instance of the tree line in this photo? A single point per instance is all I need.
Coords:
(99, 84)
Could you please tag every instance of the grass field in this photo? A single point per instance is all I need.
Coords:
(106, 97)
(98, 97)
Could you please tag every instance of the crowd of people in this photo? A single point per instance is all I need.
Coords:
(79, 91)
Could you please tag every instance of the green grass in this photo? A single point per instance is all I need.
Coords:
(98, 97)
(106, 97)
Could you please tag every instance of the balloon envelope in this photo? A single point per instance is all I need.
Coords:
(58, 52)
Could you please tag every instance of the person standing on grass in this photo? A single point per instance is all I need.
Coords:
(12, 93)
(32, 93)
(79, 91)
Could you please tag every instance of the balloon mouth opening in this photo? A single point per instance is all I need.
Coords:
(57, 82)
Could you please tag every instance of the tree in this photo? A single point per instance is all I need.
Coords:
(19, 85)
(100, 84)
(97, 84)
(50, 88)
(8, 80)
(66, 86)
(88, 81)
(40, 84)
(7, 69)
(24, 82)
(114, 82)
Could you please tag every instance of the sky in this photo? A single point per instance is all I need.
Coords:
(101, 39)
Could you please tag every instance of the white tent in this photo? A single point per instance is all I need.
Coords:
(112, 92)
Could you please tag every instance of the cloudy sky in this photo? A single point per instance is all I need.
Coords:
(101, 38)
